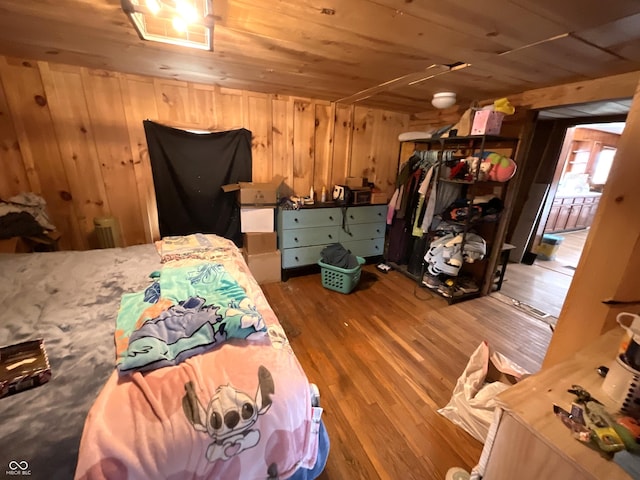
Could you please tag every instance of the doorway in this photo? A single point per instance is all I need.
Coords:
(565, 198)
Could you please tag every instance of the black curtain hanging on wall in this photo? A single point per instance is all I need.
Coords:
(188, 170)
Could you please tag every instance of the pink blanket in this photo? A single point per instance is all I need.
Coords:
(240, 411)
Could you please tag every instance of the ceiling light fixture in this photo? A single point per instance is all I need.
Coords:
(443, 100)
(187, 23)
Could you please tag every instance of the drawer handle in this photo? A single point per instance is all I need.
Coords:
(330, 236)
(330, 217)
(351, 217)
(297, 259)
(295, 220)
(377, 230)
(295, 239)
(379, 214)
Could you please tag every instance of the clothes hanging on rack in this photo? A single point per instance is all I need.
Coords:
(412, 172)
(430, 210)
(427, 193)
(391, 208)
(413, 198)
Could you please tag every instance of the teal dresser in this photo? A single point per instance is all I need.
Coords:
(302, 234)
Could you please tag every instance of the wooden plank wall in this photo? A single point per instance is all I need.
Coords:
(74, 135)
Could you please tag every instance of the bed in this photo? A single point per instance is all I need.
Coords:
(167, 362)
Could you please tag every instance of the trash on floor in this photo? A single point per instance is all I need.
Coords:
(473, 400)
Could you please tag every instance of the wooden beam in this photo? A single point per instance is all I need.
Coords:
(409, 79)
(605, 88)
(606, 276)
(613, 87)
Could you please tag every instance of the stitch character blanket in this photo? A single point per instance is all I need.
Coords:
(212, 388)
(187, 311)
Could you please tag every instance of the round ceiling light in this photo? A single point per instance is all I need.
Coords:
(443, 99)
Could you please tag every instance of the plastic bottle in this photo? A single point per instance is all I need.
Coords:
(323, 196)
(311, 193)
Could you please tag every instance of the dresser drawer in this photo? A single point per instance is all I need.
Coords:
(365, 248)
(369, 214)
(299, 257)
(321, 217)
(304, 237)
(363, 231)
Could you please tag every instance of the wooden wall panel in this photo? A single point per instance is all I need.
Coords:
(75, 136)
(259, 122)
(203, 106)
(14, 176)
(382, 169)
(342, 140)
(363, 120)
(39, 146)
(323, 147)
(371, 157)
(303, 145)
(282, 141)
(230, 109)
(172, 98)
(77, 144)
(104, 98)
(139, 102)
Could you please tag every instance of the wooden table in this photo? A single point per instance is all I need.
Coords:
(527, 441)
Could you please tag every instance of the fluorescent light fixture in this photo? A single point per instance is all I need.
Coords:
(186, 23)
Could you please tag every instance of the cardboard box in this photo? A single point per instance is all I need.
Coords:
(254, 243)
(487, 122)
(265, 267)
(254, 193)
(496, 375)
(23, 366)
(257, 220)
(354, 182)
(378, 198)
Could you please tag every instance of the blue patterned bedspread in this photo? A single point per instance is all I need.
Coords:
(186, 311)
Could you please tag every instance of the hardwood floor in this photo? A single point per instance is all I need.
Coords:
(544, 285)
(568, 253)
(386, 357)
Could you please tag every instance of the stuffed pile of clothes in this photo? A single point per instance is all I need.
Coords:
(24, 215)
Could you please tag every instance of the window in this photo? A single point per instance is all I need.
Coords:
(603, 165)
(580, 161)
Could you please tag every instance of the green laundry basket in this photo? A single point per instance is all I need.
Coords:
(341, 280)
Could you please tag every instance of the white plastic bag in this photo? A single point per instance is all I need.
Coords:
(473, 400)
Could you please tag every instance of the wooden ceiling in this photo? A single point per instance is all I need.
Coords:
(367, 51)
